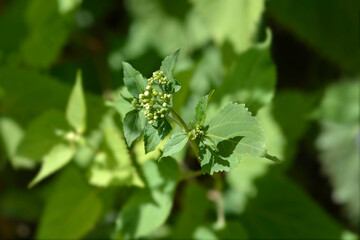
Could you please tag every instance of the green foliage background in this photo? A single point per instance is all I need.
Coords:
(294, 64)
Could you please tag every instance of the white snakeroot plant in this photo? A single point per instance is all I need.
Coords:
(219, 145)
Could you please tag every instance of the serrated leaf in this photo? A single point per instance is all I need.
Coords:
(76, 107)
(167, 66)
(133, 80)
(147, 209)
(72, 208)
(41, 135)
(200, 109)
(133, 126)
(153, 135)
(236, 134)
(175, 143)
(57, 158)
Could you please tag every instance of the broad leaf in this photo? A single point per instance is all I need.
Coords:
(237, 134)
(193, 212)
(147, 209)
(72, 208)
(254, 73)
(40, 94)
(42, 134)
(113, 165)
(338, 22)
(175, 143)
(76, 108)
(133, 80)
(168, 66)
(57, 158)
(272, 209)
(43, 20)
(339, 144)
(11, 135)
(200, 109)
(153, 135)
(219, 16)
(133, 126)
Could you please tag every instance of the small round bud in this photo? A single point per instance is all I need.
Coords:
(146, 93)
(162, 115)
(155, 117)
(148, 87)
(141, 95)
(164, 104)
(152, 100)
(151, 122)
(155, 92)
(160, 94)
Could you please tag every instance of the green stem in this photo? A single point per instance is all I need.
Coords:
(183, 125)
(191, 174)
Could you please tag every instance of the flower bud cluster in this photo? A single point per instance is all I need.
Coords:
(156, 104)
(158, 78)
(197, 132)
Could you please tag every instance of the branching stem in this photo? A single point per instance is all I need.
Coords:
(183, 125)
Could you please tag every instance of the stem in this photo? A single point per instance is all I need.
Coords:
(191, 174)
(183, 125)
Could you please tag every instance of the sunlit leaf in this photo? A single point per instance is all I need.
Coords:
(72, 208)
(76, 108)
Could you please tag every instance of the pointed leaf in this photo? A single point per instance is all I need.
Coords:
(76, 108)
(133, 126)
(175, 143)
(72, 208)
(200, 109)
(133, 80)
(153, 135)
(113, 165)
(58, 157)
(236, 134)
(167, 66)
(147, 209)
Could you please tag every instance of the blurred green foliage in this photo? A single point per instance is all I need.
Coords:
(67, 128)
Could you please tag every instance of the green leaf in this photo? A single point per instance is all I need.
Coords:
(175, 143)
(200, 109)
(41, 93)
(44, 19)
(323, 22)
(11, 135)
(76, 108)
(113, 165)
(72, 208)
(42, 134)
(153, 135)
(339, 144)
(193, 213)
(219, 16)
(57, 158)
(167, 66)
(237, 134)
(133, 80)
(254, 73)
(274, 213)
(133, 126)
(121, 104)
(147, 209)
